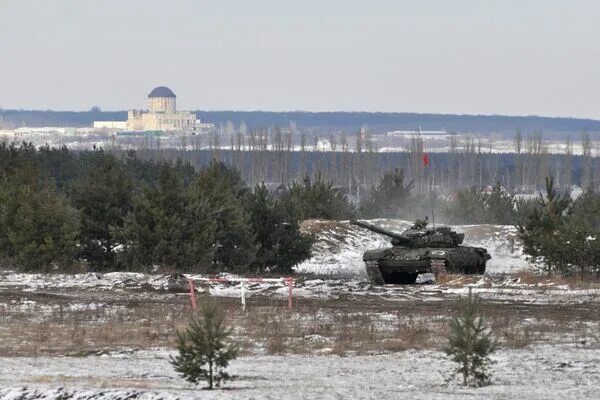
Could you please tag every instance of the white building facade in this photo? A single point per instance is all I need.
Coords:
(162, 114)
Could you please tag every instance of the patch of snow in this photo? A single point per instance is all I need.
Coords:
(538, 372)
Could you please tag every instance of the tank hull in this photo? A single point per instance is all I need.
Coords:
(400, 265)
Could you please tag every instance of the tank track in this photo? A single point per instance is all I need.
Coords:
(374, 273)
(438, 266)
(465, 264)
(461, 264)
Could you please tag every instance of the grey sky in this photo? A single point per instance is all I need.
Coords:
(462, 56)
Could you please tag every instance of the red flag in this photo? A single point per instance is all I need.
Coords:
(425, 159)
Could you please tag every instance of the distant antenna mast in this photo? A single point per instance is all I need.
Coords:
(426, 173)
(432, 213)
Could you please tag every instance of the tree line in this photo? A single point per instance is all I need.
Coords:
(61, 210)
(353, 162)
(105, 212)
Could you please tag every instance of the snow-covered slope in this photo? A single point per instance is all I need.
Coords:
(340, 245)
(338, 249)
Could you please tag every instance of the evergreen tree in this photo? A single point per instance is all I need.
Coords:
(470, 342)
(38, 226)
(103, 195)
(562, 234)
(59, 163)
(164, 229)
(582, 235)
(143, 171)
(204, 349)
(472, 206)
(499, 206)
(466, 207)
(281, 244)
(218, 190)
(318, 199)
(388, 198)
(539, 229)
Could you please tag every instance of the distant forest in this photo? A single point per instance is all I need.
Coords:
(553, 128)
(357, 172)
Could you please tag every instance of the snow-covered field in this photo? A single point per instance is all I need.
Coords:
(541, 372)
(559, 358)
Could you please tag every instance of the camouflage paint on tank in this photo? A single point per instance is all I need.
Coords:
(421, 250)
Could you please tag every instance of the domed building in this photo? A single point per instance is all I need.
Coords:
(162, 114)
(162, 99)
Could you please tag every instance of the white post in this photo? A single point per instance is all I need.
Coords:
(243, 296)
(290, 282)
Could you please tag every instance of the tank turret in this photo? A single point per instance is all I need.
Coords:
(376, 229)
(420, 250)
(419, 235)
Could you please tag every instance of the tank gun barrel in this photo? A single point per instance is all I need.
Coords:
(377, 229)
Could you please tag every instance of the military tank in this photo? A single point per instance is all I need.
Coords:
(420, 250)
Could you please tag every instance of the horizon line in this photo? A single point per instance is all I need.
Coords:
(2, 110)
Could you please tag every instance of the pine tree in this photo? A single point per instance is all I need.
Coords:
(563, 234)
(470, 342)
(220, 191)
(204, 351)
(317, 199)
(467, 207)
(38, 226)
(281, 244)
(388, 198)
(103, 195)
(499, 206)
(541, 230)
(482, 207)
(166, 229)
(581, 235)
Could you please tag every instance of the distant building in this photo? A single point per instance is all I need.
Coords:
(113, 125)
(324, 145)
(421, 133)
(46, 130)
(204, 127)
(162, 114)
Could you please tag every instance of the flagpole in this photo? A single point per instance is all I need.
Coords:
(426, 164)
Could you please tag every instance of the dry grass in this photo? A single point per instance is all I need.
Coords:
(315, 226)
(415, 332)
(360, 326)
(576, 281)
(530, 278)
(457, 280)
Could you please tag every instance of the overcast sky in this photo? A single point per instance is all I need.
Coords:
(514, 57)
